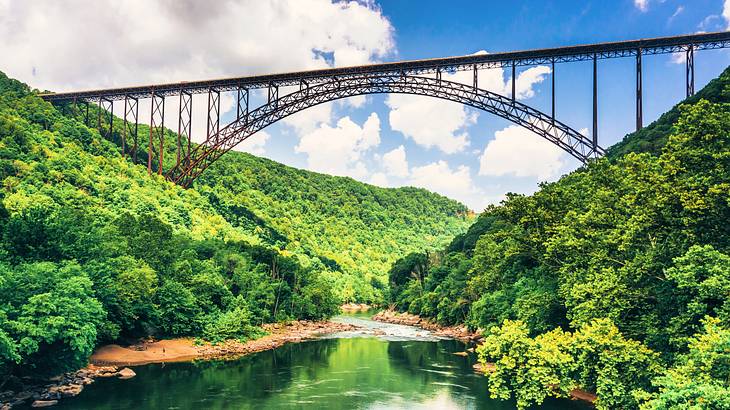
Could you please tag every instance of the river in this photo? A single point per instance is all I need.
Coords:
(384, 366)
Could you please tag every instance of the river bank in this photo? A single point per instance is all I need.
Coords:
(456, 332)
(107, 360)
(460, 333)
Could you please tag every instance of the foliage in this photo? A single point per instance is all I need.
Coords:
(94, 250)
(233, 324)
(629, 253)
(701, 378)
(596, 358)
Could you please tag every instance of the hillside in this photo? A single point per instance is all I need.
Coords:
(94, 250)
(357, 228)
(614, 279)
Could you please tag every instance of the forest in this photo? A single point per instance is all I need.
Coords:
(614, 279)
(93, 250)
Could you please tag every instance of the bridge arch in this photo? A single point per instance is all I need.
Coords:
(247, 124)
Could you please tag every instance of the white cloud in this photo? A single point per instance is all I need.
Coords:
(338, 150)
(517, 151)
(73, 45)
(726, 13)
(678, 58)
(255, 143)
(642, 5)
(430, 122)
(453, 183)
(379, 179)
(527, 79)
(395, 162)
(676, 13)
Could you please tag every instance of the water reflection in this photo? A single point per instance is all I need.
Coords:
(334, 373)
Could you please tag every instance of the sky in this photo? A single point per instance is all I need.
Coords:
(386, 140)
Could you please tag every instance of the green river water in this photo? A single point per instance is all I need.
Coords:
(382, 367)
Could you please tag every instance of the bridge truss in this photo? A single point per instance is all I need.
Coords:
(419, 77)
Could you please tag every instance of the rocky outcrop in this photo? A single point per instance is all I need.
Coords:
(64, 385)
(454, 332)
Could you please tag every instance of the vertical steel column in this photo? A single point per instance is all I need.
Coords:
(595, 101)
(552, 93)
(86, 119)
(131, 108)
(184, 128)
(690, 72)
(639, 92)
(107, 105)
(242, 101)
(438, 75)
(214, 113)
(513, 81)
(274, 94)
(476, 78)
(157, 131)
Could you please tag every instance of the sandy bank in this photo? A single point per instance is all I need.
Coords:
(355, 307)
(185, 349)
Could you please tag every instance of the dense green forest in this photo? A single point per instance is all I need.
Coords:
(93, 250)
(614, 279)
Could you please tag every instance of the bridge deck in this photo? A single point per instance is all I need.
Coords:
(661, 45)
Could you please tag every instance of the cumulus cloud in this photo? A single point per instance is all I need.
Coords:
(519, 152)
(339, 150)
(726, 13)
(431, 122)
(452, 182)
(255, 144)
(395, 162)
(642, 5)
(119, 43)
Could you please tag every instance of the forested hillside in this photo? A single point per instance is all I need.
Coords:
(614, 279)
(355, 228)
(93, 250)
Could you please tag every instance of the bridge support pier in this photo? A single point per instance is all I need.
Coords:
(639, 92)
(105, 105)
(184, 127)
(595, 101)
(242, 101)
(514, 88)
(690, 71)
(214, 112)
(552, 92)
(157, 132)
(273, 95)
(131, 109)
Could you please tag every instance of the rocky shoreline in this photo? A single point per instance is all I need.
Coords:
(107, 360)
(455, 332)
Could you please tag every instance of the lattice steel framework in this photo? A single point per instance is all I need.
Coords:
(157, 133)
(410, 77)
(662, 45)
(570, 140)
(184, 128)
(131, 125)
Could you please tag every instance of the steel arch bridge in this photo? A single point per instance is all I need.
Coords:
(248, 124)
(419, 77)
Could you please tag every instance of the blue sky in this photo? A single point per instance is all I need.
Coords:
(387, 140)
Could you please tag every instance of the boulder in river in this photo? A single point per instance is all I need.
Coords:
(126, 373)
(44, 403)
